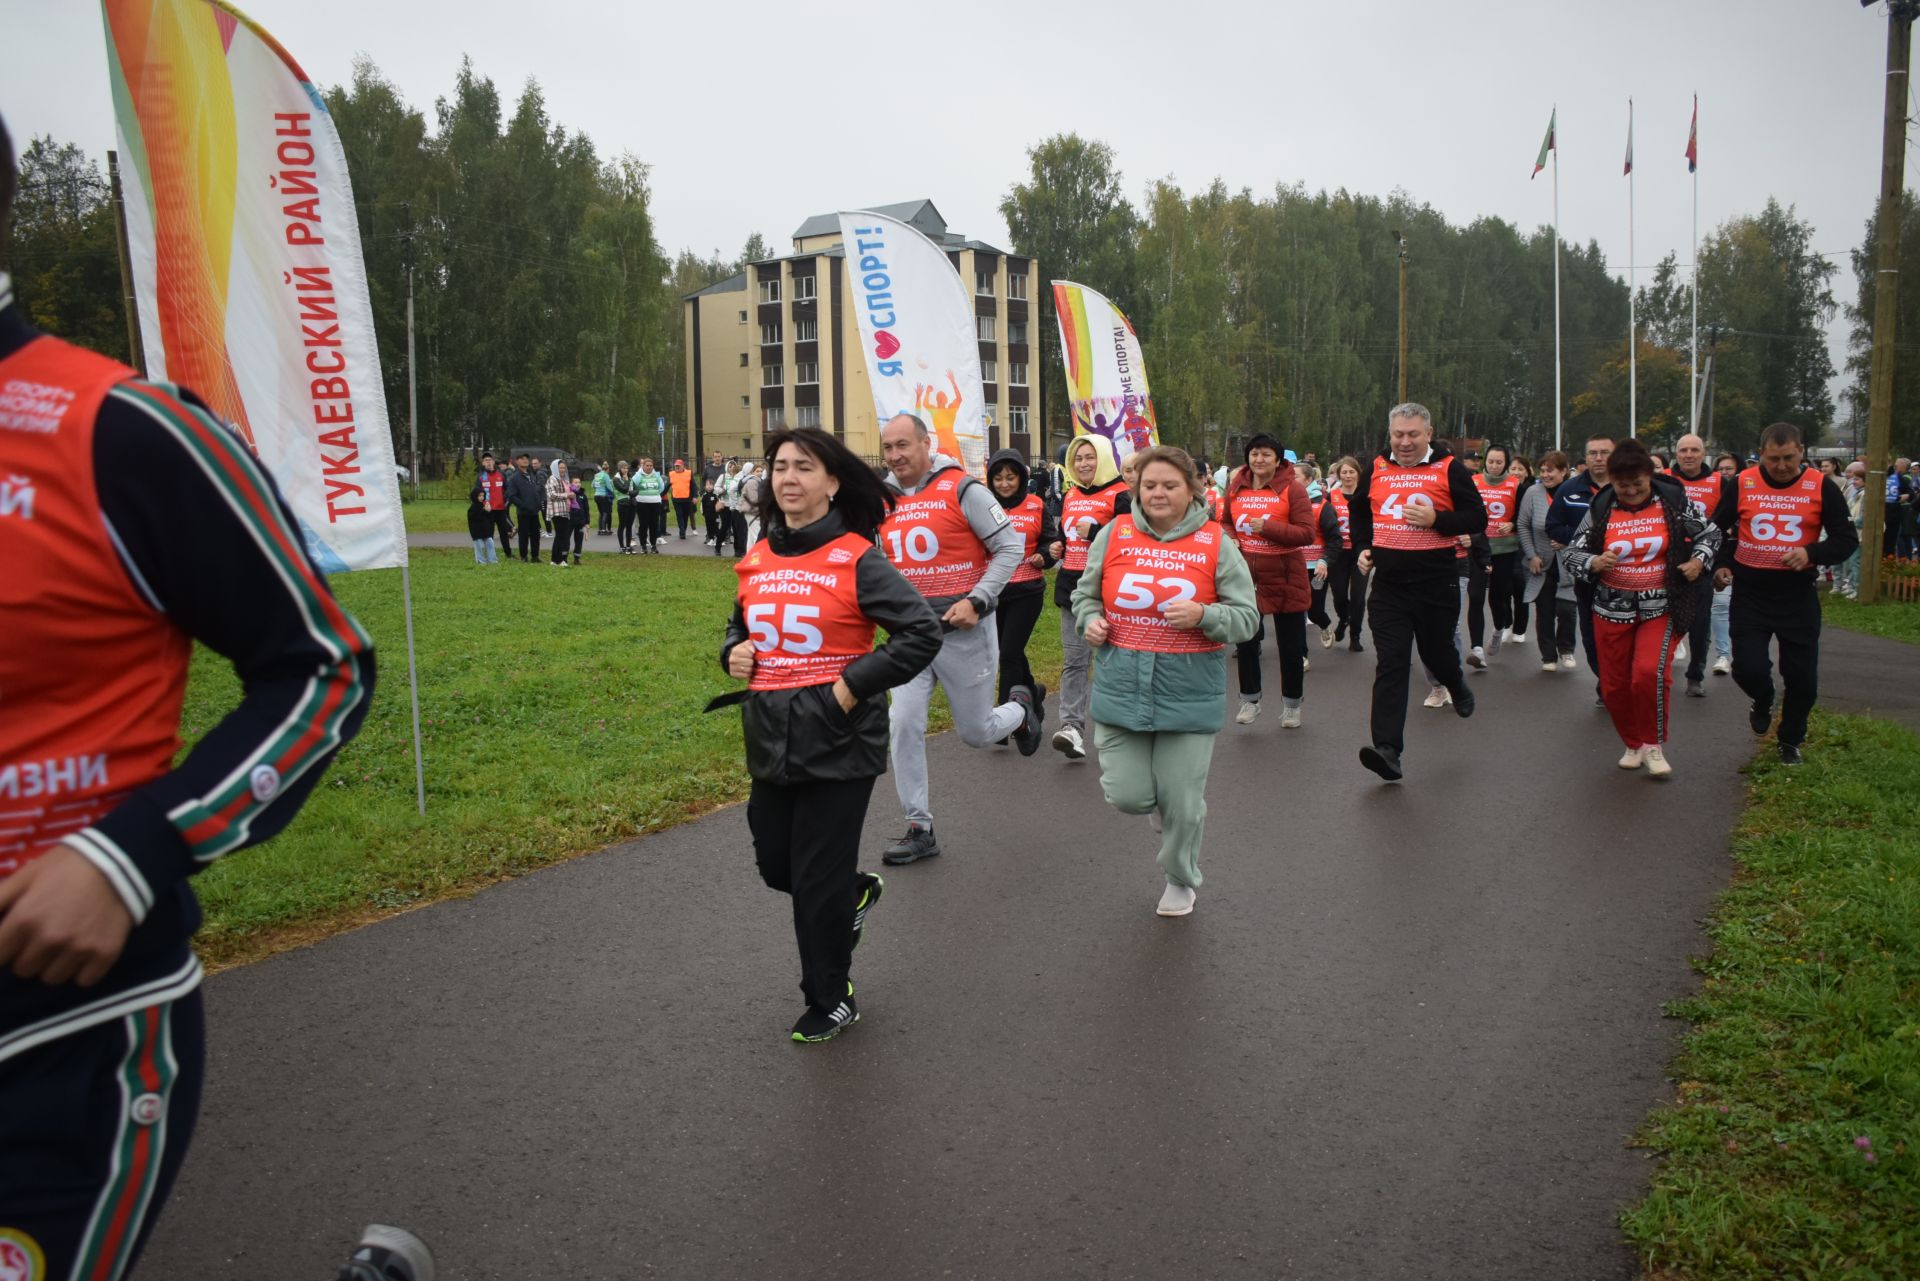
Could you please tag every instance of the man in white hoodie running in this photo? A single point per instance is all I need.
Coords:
(951, 540)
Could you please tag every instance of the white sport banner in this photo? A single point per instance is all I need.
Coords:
(246, 262)
(1106, 375)
(917, 330)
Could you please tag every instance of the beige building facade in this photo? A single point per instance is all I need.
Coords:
(778, 344)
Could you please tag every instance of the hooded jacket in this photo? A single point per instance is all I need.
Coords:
(1049, 527)
(1146, 692)
(1066, 580)
(801, 735)
(1280, 581)
(1401, 567)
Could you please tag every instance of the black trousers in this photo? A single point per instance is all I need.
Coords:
(1477, 602)
(653, 523)
(1583, 603)
(683, 512)
(1407, 616)
(99, 1119)
(722, 527)
(1013, 619)
(1506, 592)
(529, 534)
(709, 519)
(605, 504)
(1759, 618)
(1516, 580)
(806, 841)
(1290, 633)
(1348, 587)
(626, 524)
(1317, 606)
(502, 530)
(1700, 635)
(738, 520)
(1553, 618)
(563, 531)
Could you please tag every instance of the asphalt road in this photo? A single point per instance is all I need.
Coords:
(1406, 1032)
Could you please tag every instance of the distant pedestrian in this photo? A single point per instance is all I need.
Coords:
(680, 489)
(494, 499)
(603, 496)
(527, 496)
(480, 524)
(710, 476)
(1548, 590)
(1846, 580)
(623, 505)
(743, 500)
(562, 503)
(722, 525)
(650, 506)
(1025, 595)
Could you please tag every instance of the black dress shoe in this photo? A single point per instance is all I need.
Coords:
(1384, 761)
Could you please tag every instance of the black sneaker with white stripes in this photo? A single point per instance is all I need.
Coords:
(867, 889)
(823, 1025)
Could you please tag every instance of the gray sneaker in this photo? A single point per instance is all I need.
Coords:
(917, 844)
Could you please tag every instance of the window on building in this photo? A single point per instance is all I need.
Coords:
(804, 288)
(746, 402)
(983, 283)
(772, 375)
(743, 360)
(773, 419)
(806, 372)
(770, 334)
(806, 331)
(1017, 420)
(743, 317)
(1016, 331)
(1016, 373)
(989, 371)
(770, 290)
(984, 326)
(807, 416)
(1016, 284)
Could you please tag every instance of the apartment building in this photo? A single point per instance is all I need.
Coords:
(778, 344)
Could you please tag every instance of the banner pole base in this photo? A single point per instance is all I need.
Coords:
(413, 686)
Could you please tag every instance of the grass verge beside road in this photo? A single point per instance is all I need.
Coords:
(560, 711)
(435, 516)
(1792, 1148)
(1896, 620)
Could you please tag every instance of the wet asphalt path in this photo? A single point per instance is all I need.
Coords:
(1406, 1032)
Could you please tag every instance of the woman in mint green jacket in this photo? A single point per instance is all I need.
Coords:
(1164, 596)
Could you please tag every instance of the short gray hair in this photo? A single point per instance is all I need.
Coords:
(1411, 409)
(919, 424)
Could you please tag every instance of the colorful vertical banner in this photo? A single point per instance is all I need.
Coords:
(917, 330)
(245, 253)
(1106, 374)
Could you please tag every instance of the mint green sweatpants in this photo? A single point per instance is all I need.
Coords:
(1143, 772)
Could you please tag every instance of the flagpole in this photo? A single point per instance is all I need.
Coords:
(1633, 342)
(1693, 423)
(1556, 277)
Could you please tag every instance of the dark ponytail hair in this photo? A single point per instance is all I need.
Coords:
(863, 501)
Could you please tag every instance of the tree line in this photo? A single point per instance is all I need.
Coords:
(546, 311)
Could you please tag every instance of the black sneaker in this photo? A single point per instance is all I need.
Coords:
(1463, 702)
(1355, 647)
(1384, 761)
(1695, 689)
(867, 889)
(1040, 701)
(1789, 753)
(1599, 698)
(917, 844)
(1760, 717)
(823, 1025)
(1027, 737)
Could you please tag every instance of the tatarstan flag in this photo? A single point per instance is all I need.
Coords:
(1546, 145)
(1693, 138)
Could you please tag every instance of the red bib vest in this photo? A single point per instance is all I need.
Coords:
(1140, 576)
(1079, 511)
(1314, 550)
(91, 675)
(1394, 489)
(803, 613)
(928, 539)
(1498, 495)
(1025, 516)
(1249, 505)
(1773, 522)
(1703, 493)
(1341, 514)
(1641, 540)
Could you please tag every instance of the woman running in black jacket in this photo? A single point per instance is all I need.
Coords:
(812, 591)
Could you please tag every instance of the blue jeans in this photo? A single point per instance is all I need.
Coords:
(483, 552)
(1723, 623)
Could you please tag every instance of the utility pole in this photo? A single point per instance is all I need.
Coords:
(1886, 291)
(1403, 317)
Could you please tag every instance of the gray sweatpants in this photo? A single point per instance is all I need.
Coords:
(968, 668)
(1076, 660)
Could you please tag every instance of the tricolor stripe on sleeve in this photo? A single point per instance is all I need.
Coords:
(220, 821)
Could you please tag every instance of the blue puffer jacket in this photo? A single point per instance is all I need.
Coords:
(1171, 693)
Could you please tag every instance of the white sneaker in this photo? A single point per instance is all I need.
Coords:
(1290, 717)
(1680, 652)
(1657, 761)
(1506, 635)
(1722, 665)
(1177, 901)
(1156, 822)
(1067, 740)
(1477, 658)
(1306, 664)
(1549, 666)
(1566, 662)
(1494, 643)
(1246, 713)
(1633, 758)
(1326, 637)
(1438, 696)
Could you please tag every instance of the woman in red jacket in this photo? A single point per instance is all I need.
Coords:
(1269, 516)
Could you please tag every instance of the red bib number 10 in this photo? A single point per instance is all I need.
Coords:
(920, 543)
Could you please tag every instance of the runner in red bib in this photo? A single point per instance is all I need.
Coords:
(1162, 598)
(1088, 506)
(1026, 592)
(1270, 517)
(1492, 586)
(812, 592)
(1345, 582)
(1704, 488)
(1319, 556)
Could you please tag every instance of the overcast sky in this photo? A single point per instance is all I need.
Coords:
(755, 115)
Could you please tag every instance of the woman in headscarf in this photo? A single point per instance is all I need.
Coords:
(1025, 594)
(1085, 509)
(1269, 516)
(560, 509)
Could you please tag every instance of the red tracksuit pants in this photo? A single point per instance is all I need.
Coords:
(1636, 676)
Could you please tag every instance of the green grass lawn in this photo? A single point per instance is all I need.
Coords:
(435, 516)
(1897, 620)
(1793, 1147)
(560, 710)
